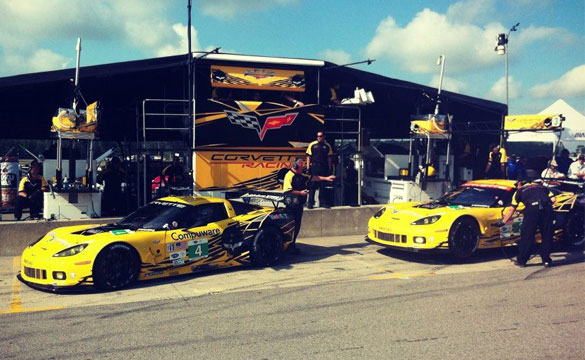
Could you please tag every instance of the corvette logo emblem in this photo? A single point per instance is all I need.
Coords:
(252, 122)
(259, 73)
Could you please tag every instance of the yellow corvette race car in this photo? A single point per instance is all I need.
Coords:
(169, 236)
(462, 220)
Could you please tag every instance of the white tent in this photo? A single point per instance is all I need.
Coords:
(573, 133)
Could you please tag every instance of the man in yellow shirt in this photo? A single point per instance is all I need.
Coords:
(30, 193)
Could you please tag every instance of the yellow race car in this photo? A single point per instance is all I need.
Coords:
(169, 236)
(462, 220)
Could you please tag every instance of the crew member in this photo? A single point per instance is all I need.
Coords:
(30, 193)
(173, 175)
(112, 178)
(577, 168)
(496, 165)
(319, 163)
(564, 161)
(296, 182)
(551, 171)
(538, 212)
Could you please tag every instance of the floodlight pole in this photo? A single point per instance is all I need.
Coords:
(502, 45)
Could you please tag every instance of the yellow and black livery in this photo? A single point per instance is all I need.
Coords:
(170, 236)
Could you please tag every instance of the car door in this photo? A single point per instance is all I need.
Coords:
(196, 237)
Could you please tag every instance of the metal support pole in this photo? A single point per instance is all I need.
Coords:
(89, 165)
(59, 170)
(361, 160)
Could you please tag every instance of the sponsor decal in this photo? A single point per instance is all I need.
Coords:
(193, 234)
(170, 247)
(173, 273)
(178, 255)
(154, 273)
(279, 216)
(156, 241)
(181, 245)
(166, 203)
(121, 232)
(487, 186)
(178, 262)
(252, 122)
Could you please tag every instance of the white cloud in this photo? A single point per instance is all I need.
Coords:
(180, 47)
(449, 84)
(27, 26)
(570, 85)
(338, 57)
(470, 10)
(467, 46)
(498, 90)
(228, 9)
(38, 60)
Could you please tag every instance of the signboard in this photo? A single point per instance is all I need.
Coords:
(534, 122)
(257, 78)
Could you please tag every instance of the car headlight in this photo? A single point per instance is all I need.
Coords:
(427, 220)
(74, 250)
(379, 212)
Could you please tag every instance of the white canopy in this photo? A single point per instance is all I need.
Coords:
(573, 128)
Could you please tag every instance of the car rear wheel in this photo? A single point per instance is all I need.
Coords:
(267, 247)
(573, 231)
(463, 238)
(115, 267)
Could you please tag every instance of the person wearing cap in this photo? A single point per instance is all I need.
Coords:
(551, 171)
(319, 163)
(296, 183)
(577, 168)
(30, 193)
(538, 213)
(496, 165)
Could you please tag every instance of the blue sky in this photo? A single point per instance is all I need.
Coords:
(546, 53)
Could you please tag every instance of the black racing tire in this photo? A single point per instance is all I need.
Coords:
(266, 247)
(115, 267)
(463, 238)
(573, 229)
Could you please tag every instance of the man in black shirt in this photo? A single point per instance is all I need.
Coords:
(30, 193)
(319, 163)
(112, 178)
(296, 182)
(538, 212)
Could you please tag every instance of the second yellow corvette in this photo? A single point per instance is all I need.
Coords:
(461, 221)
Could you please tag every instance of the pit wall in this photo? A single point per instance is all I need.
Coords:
(15, 236)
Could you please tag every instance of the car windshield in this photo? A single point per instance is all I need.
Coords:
(154, 215)
(158, 213)
(477, 196)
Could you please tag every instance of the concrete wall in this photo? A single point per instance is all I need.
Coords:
(16, 236)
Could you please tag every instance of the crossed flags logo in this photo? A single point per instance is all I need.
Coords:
(251, 122)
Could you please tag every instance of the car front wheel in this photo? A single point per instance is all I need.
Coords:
(463, 238)
(115, 267)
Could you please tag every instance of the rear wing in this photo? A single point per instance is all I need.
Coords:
(275, 198)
